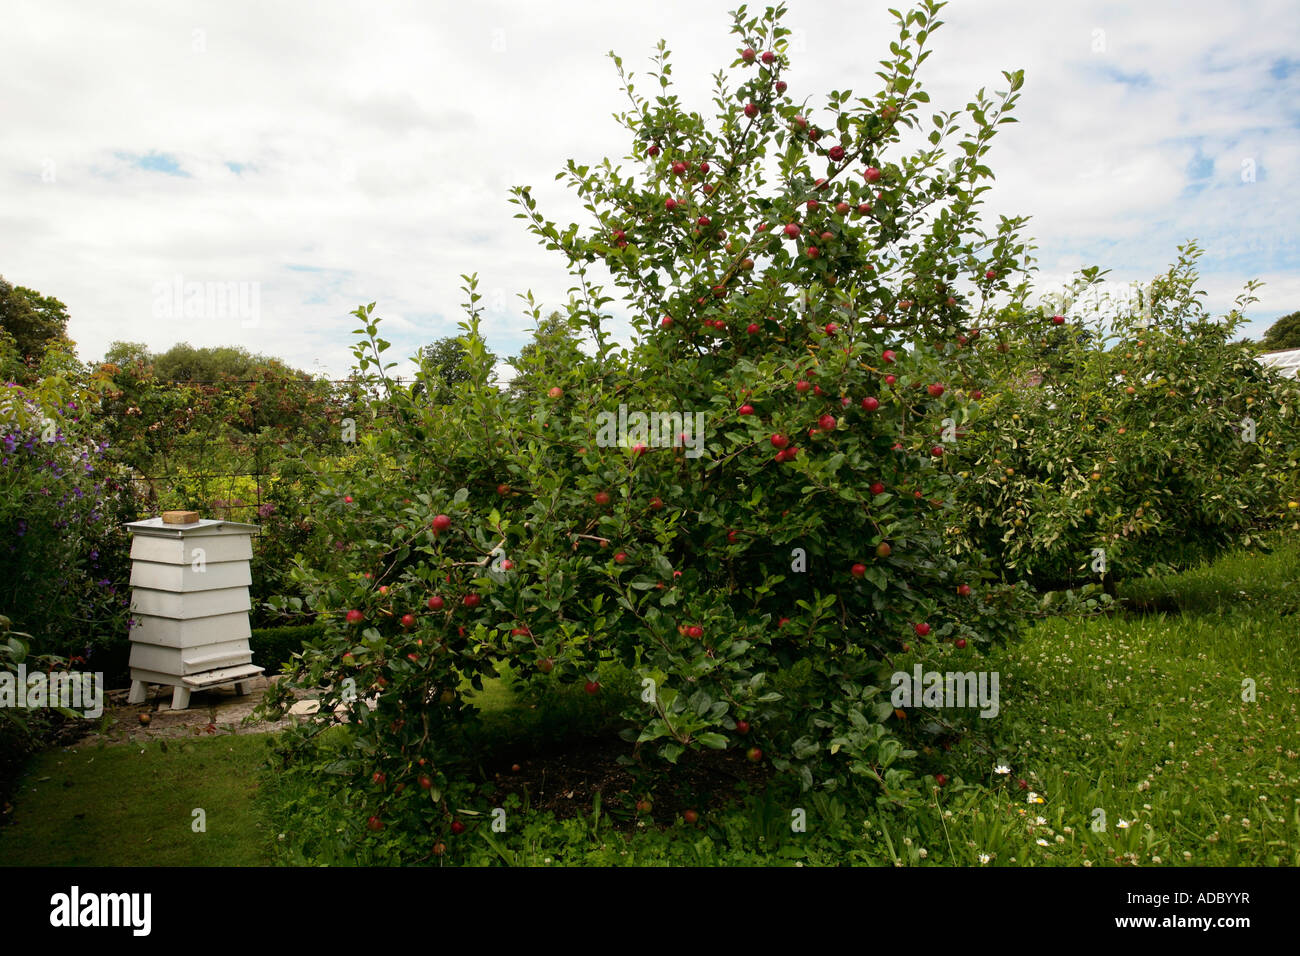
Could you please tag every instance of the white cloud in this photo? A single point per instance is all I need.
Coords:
(375, 143)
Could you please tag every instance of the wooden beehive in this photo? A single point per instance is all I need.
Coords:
(190, 604)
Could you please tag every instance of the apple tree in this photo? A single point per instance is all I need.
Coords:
(749, 505)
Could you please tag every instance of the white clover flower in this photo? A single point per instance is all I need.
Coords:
(923, 853)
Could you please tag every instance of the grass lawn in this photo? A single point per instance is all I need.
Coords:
(1142, 722)
(133, 806)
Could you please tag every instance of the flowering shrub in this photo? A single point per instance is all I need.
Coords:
(63, 551)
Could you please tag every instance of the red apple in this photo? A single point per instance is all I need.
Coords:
(752, 328)
(779, 441)
(1058, 320)
(831, 328)
(870, 404)
(888, 356)
(883, 550)
(435, 603)
(878, 488)
(473, 600)
(748, 54)
(836, 153)
(781, 86)
(374, 824)
(871, 174)
(602, 498)
(826, 422)
(691, 817)
(960, 643)
(768, 56)
(963, 590)
(408, 620)
(751, 110)
(347, 499)
(457, 827)
(792, 229)
(934, 390)
(941, 780)
(441, 523)
(355, 616)
(753, 755)
(742, 726)
(858, 570)
(592, 687)
(656, 503)
(937, 451)
(802, 386)
(922, 629)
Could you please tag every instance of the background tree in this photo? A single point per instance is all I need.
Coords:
(1283, 334)
(555, 348)
(444, 365)
(31, 322)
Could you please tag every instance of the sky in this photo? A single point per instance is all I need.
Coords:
(323, 155)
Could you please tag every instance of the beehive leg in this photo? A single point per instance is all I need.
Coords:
(243, 687)
(180, 698)
(138, 693)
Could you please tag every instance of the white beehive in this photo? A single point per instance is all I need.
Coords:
(190, 602)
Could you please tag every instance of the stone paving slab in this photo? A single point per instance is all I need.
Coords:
(215, 711)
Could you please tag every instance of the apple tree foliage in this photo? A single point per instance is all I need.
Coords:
(785, 270)
(1110, 443)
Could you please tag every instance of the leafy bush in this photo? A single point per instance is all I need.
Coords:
(1124, 445)
(274, 647)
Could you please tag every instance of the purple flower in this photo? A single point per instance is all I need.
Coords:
(22, 527)
(94, 555)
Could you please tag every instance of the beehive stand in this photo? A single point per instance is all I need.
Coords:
(190, 601)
